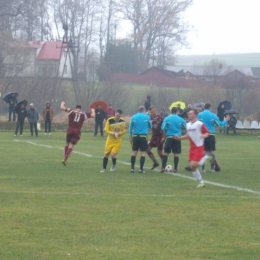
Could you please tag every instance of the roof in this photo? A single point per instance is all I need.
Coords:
(51, 51)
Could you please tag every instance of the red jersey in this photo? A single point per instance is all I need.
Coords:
(157, 123)
(77, 118)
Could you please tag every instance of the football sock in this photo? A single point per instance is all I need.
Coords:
(114, 160)
(197, 176)
(214, 158)
(66, 149)
(133, 162)
(68, 153)
(142, 160)
(216, 163)
(176, 161)
(203, 160)
(151, 155)
(164, 161)
(105, 160)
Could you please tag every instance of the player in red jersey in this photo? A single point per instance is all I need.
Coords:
(157, 135)
(76, 119)
(196, 132)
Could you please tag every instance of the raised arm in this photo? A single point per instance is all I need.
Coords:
(62, 106)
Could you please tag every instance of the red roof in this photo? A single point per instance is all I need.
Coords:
(51, 51)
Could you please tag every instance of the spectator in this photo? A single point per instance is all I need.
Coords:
(33, 117)
(47, 114)
(110, 111)
(164, 113)
(21, 114)
(221, 111)
(12, 102)
(99, 118)
(147, 103)
(231, 124)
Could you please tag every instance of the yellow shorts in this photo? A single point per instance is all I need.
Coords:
(112, 147)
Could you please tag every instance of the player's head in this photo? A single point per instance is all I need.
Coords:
(152, 110)
(207, 106)
(193, 114)
(78, 106)
(118, 113)
(174, 110)
(141, 109)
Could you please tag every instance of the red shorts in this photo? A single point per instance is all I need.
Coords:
(196, 154)
(155, 141)
(73, 135)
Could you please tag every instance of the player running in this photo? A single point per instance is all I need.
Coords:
(157, 135)
(115, 128)
(196, 132)
(76, 119)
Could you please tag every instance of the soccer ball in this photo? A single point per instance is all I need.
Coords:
(168, 168)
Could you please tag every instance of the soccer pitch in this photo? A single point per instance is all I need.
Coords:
(55, 212)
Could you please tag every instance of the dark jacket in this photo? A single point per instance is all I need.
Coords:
(32, 115)
(22, 114)
(100, 114)
(221, 112)
(232, 122)
(12, 102)
(147, 103)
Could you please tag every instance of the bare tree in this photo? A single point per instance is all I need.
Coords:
(152, 19)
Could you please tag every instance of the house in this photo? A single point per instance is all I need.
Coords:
(45, 59)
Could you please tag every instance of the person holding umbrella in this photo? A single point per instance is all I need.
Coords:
(10, 98)
(33, 117)
(21, 111)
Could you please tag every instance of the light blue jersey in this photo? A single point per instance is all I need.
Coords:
(172, 125)
(209, 119)
(139, 124)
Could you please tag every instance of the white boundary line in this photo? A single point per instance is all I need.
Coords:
(174, 174)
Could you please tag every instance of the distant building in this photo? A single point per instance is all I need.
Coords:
(50, 59)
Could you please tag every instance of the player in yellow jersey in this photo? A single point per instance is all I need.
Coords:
(115, 128)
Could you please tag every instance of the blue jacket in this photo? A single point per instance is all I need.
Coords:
(173, 124)
(139, 124)
(209, 119)
(32, 115)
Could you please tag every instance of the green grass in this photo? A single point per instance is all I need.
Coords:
(49, 211)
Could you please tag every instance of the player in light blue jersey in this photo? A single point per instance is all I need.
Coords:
(209, 119)
(172, 126)
(138, 130)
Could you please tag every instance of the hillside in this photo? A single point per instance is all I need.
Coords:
(234, 60)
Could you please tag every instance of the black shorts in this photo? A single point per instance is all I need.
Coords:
(209, 143)
(172, 145)
(140, 142)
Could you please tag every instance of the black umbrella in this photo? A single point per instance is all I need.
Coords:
(227, 105)
(17, 108)
(231, 112)
(198, 105)
(8, 96)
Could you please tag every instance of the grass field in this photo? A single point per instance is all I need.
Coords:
(49, 211)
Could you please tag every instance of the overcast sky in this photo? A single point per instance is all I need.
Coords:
(223, 26)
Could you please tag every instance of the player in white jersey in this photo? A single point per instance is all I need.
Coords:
(196, 132)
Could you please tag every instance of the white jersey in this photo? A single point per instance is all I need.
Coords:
(195, 130)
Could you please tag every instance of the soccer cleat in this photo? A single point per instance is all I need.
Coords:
(217, 169)
(212, 170)
(141, 171)
(162, 170)
(154, 166)
(113, 167)
(201, 185)
(103, 170)
(132, 170)
(202, 171)
(187, 168)
(64, 163)
(175, 170)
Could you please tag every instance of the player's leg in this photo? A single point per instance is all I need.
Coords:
(196, 173)
(152, 157)
(166, 151)
(114, 152)
(143, 149)
(135, 148)
(105, 160)
(176, 149)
